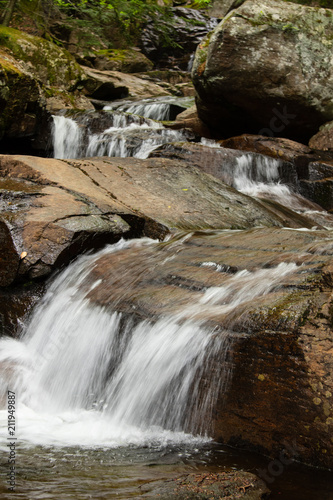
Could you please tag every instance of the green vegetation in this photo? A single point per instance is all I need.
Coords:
(99, 24)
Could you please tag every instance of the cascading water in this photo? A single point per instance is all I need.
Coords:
(90, 375)
(260, 176)
(66, 138)
(158, 108)
(133, 130)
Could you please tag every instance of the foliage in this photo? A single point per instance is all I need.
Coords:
(201, 4)
(127, 16)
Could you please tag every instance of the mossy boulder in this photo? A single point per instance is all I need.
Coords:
(35, 76)
(48, 63)
(267, 69)
(20, 99)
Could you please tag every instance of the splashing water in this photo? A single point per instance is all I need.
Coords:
(67, 138)
(129, 135)
(91, 376)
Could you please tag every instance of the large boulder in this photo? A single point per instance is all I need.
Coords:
(51, 210)
(51, 65)
(267, 69)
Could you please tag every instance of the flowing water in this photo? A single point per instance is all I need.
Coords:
(260, 176)
(106, 400)
(133, 129)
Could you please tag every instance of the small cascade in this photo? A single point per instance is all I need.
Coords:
(91, 375)
(260, 176)
(110, 133)
(159, 108)
(257, 176)
(67, 138)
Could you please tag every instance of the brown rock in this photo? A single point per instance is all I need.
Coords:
(56, 209)
(110, 85)
(194, 124)
(323, 140)
(275, 147)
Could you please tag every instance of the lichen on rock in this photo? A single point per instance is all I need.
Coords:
(267, 69)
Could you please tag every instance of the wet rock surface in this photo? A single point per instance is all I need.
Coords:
(54, 209)
(210, 486)
(240, 87)
(280, 364)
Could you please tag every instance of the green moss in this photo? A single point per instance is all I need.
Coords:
(50, 64)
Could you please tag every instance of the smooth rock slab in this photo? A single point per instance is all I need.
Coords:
(52, 210)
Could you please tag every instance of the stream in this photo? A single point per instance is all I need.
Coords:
(107, 402)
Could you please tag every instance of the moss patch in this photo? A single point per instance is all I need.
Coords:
(50, 64)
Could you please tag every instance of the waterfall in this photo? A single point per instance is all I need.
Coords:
(157, 108)
(66, 138)
(147, 109)
(123, 135)
(93, 376)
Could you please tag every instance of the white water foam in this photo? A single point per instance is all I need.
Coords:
(89, 376)
(128, 137)
(66, 138)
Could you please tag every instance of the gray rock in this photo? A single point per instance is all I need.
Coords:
(267, 69)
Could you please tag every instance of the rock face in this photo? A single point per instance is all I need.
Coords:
(185, 28)
(267, 69)
(54, 209)
(20, 99)
(279, 391)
